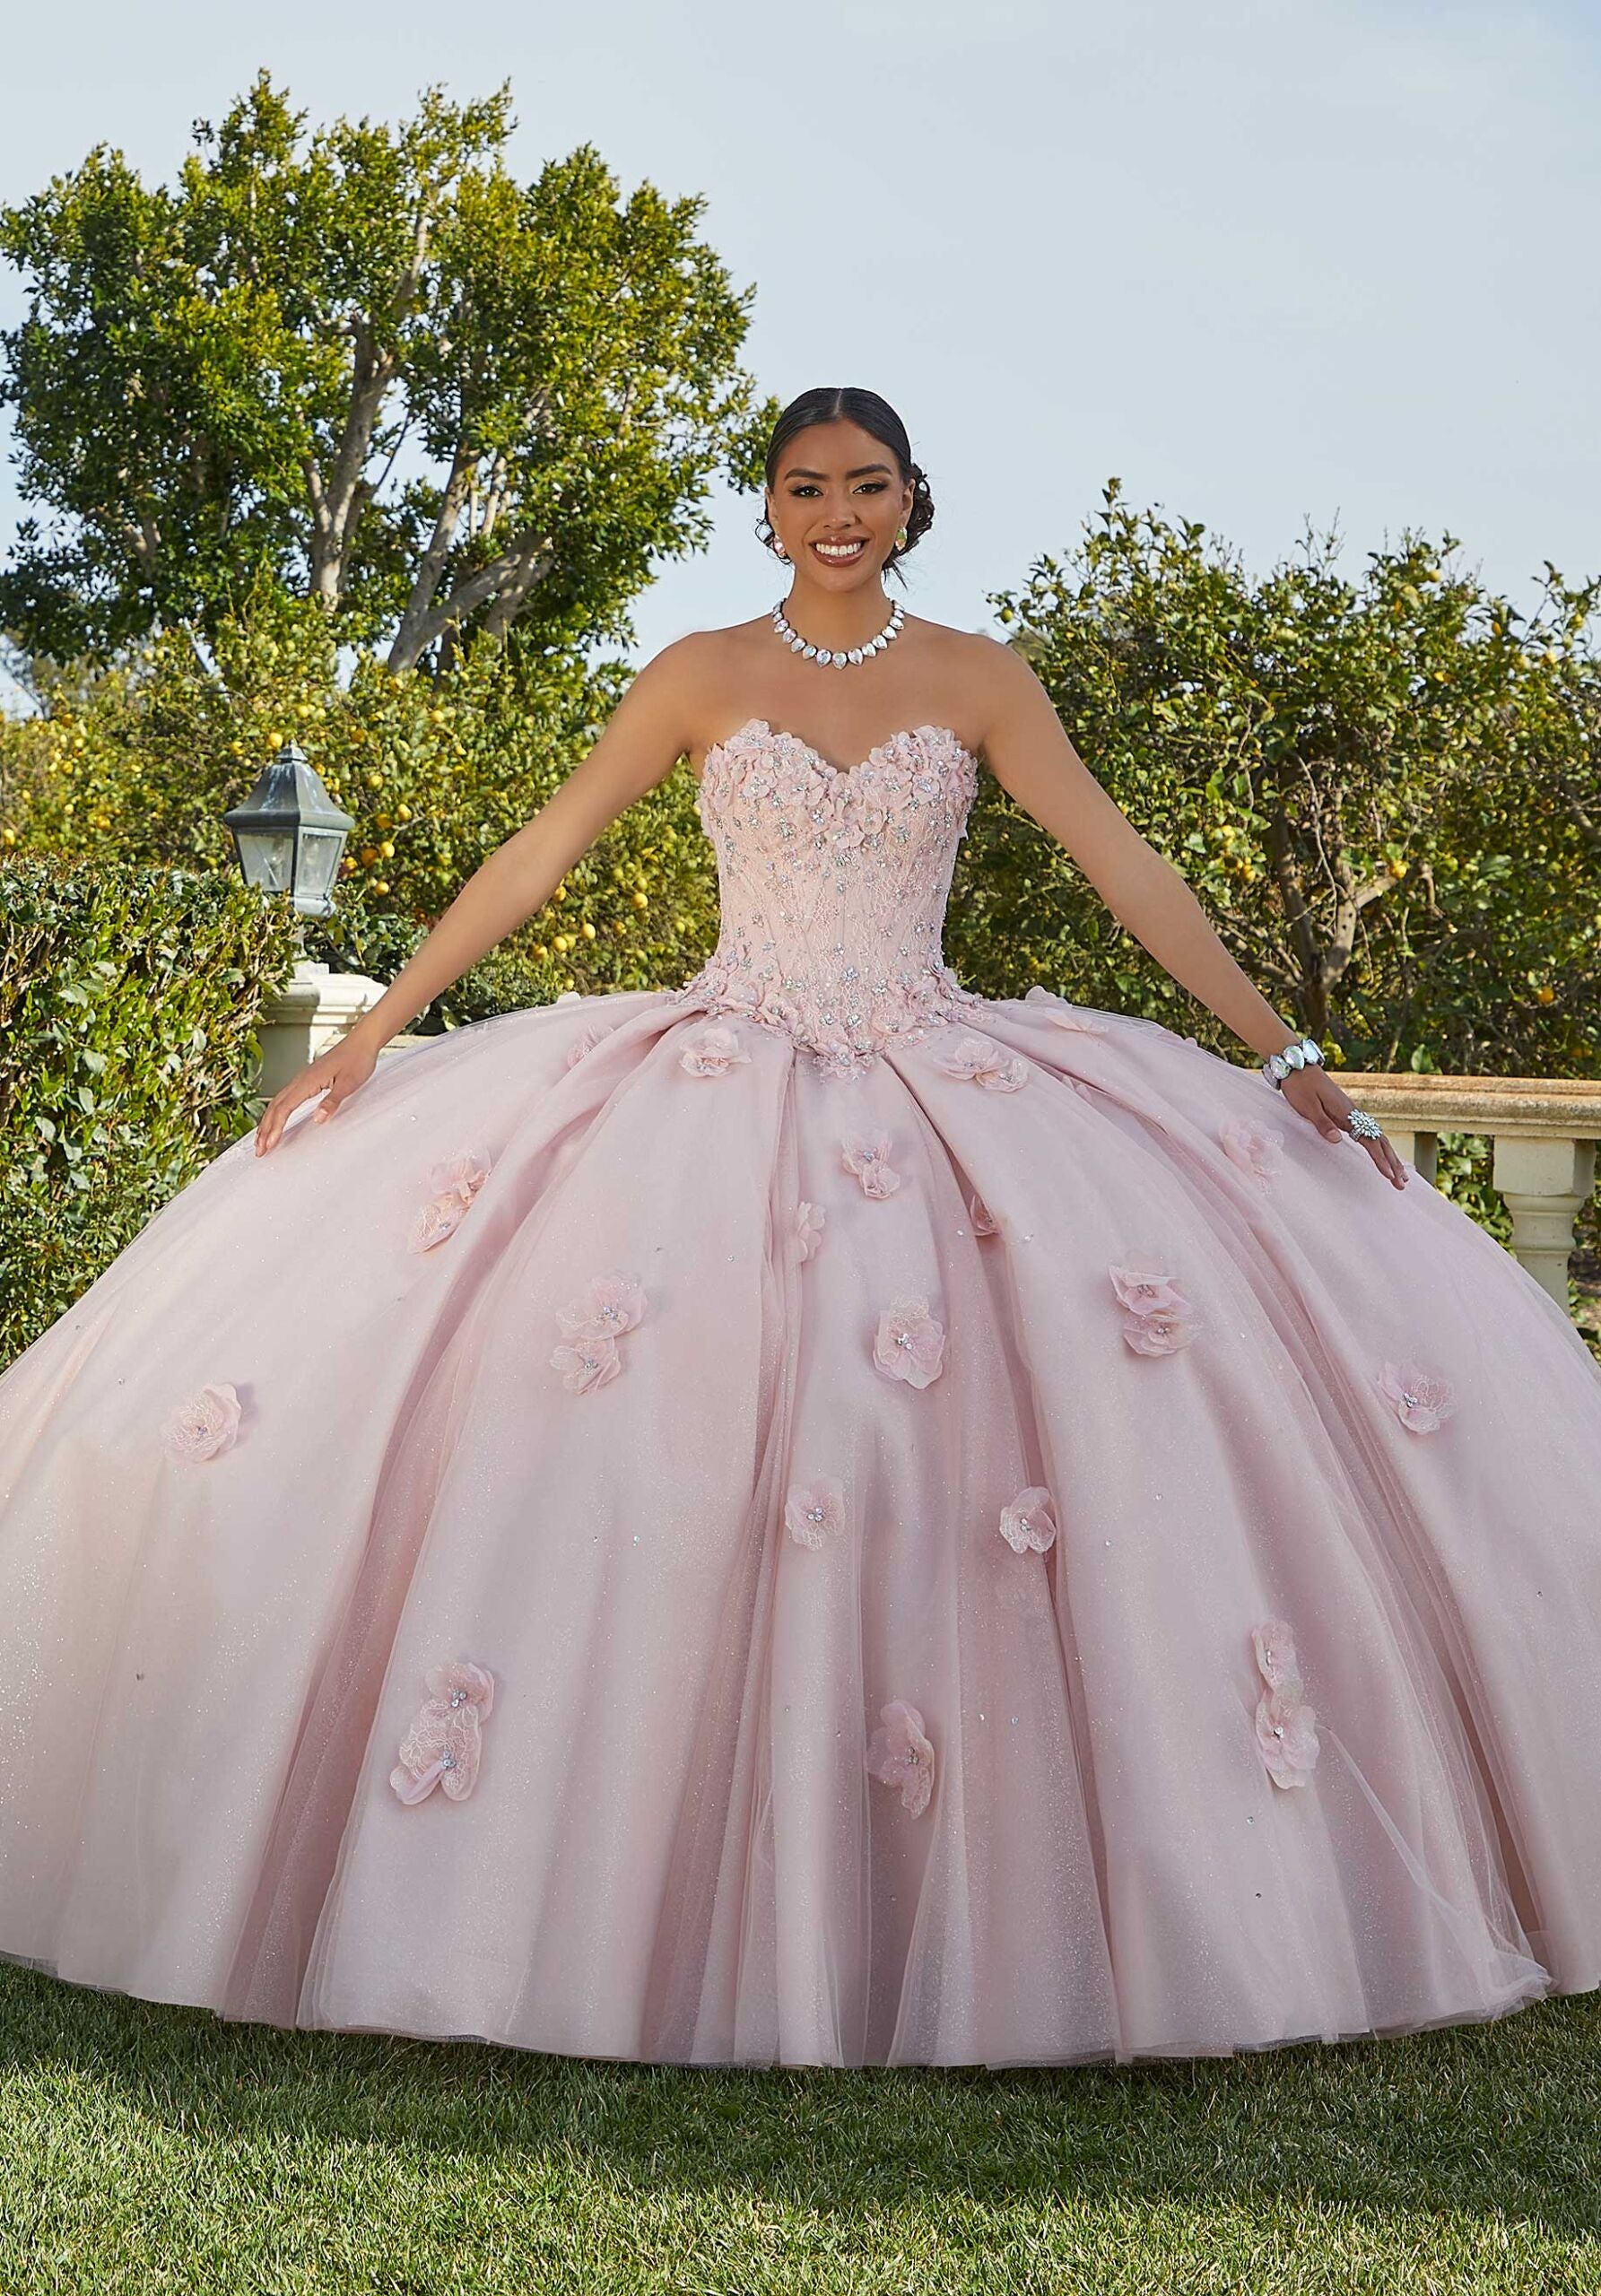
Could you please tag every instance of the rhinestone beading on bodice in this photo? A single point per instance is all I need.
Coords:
(834, 883)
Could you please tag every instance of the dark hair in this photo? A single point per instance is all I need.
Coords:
(843, 402)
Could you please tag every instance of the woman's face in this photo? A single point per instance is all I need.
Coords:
(837, 505)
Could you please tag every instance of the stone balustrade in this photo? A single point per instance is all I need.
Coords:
(1544, 1133)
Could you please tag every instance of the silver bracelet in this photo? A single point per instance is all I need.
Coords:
(1307, 1053)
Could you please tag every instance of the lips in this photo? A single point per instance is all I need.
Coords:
(836, 555)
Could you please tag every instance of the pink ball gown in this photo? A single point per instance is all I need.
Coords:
(808, 1517)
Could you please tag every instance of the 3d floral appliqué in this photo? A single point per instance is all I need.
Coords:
(815, 1512)
(1158, 1318)
(1286, 1725)
(713, 1050)
(868, 1157)
(899, 1753)
(610, 1305)
(808, 1227)
(445, 1740)
(205, 1425)
(1257, 1149)
(453, 1184)
(909, 1343)
(1422, 1400)
(984, 1062)
(1028, 1522)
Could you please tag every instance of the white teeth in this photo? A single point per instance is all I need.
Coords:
(838, 550)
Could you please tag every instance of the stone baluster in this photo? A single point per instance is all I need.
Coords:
(1544, 1185)
(315, 1010)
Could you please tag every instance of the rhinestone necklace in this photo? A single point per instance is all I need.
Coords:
(798, 644)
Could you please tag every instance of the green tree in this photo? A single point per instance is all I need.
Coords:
(368, 365)
(1386, 788)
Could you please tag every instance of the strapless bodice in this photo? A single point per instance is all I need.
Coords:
(834, 883)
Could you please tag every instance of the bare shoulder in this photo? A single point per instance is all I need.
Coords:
(990, 686)
(696, 674)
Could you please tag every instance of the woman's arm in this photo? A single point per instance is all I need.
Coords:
(643, 739)
(647, 733)
(1035, 762)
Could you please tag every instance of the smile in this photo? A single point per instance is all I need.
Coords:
(840, 553)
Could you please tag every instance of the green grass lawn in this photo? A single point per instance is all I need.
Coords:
(143, 2148)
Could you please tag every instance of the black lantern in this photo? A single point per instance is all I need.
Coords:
(289, 834)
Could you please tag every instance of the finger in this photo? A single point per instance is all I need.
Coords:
(1388, 1163)
(265, 1130)
(279, 1109)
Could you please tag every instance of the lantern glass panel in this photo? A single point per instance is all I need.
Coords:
(268, 858)
(320, 858)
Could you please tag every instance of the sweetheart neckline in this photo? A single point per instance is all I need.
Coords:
(837, 772)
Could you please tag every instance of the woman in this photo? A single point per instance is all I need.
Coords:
(811, 1517)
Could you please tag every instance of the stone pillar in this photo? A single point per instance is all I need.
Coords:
(317, 1008)
(1420, 1150)
(1543, 1184)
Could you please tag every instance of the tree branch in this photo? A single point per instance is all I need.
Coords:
(526, 562)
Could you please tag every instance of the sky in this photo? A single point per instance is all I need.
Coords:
(1268, 261)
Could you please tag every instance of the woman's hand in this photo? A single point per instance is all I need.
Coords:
(1312, 1093)
(339, 1072)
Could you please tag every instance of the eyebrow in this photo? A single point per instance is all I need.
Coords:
(861, 471)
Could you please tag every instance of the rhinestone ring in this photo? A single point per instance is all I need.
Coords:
(1363, 1126)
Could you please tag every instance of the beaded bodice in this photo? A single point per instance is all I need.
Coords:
(834, 883)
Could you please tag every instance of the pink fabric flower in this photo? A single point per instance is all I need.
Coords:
(1145, 1288)
(454, 1183)
(586, 1364)
(900, 1754)
(206, 1425)
(1257, 1149)
(1422, 1400)
(774, 1006)
(611, 1304)
(869, 812)
(1028, 1521)
(815, 1512)
(445, 1739)
(836, 1057)
(985, 1222)
(869, 1160)
(713, 1050)
(808, 1227)
(985, 1062)
(1286, 1725)
(1163, 1333)
(910, 1343)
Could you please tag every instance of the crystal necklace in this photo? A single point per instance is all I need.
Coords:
(798, 644)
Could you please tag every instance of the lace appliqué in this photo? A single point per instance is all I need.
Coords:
(1286, 1725)
(899, 1752)
(833, 886)
(445, 1738)
(1028, 1522)
(1420, 1398)
(205, 1425)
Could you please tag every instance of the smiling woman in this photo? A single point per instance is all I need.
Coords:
(1023, 1540)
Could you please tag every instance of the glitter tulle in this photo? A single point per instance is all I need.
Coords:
(986, 1538)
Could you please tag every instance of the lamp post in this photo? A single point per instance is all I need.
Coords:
(289, 833)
